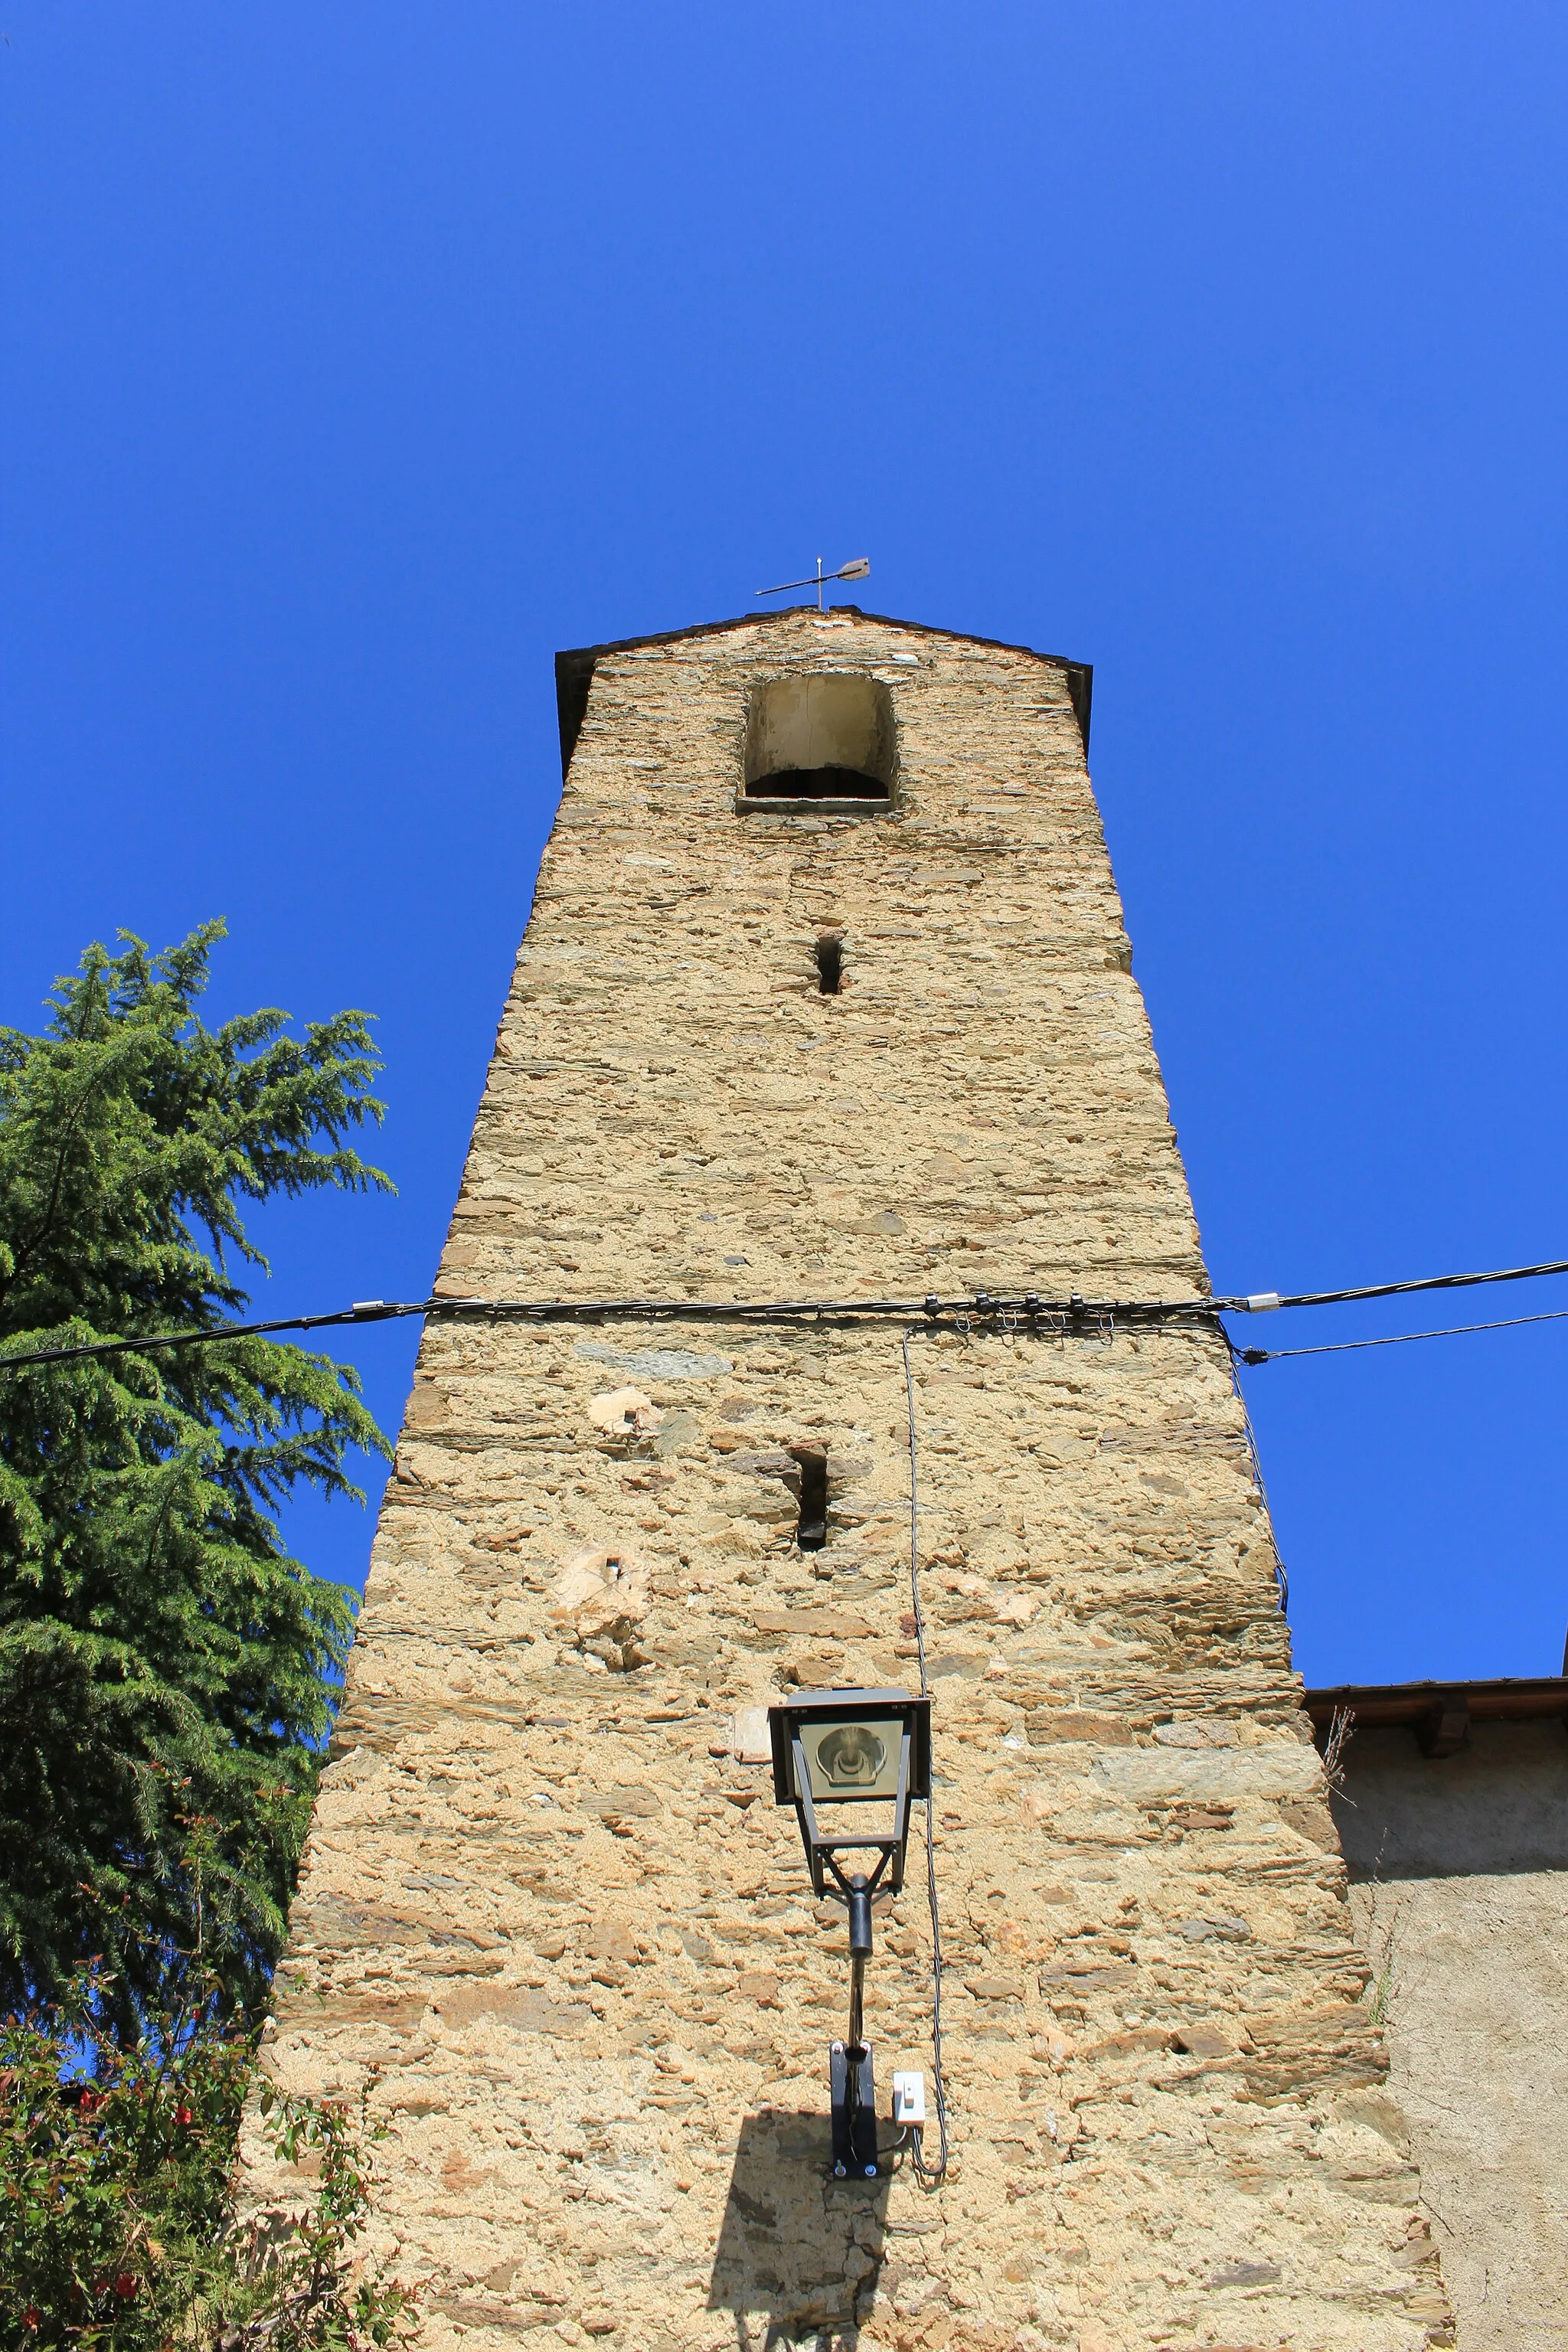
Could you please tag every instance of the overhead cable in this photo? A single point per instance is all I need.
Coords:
(1394, 1340)
(1267, 1298)
(215, 1333)
(1073, 1317)
(1008, 1309)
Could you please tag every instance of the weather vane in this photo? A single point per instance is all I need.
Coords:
(857, 567)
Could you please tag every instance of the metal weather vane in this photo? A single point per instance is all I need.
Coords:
(857, 568)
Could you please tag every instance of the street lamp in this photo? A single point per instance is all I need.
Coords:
(859, 1748)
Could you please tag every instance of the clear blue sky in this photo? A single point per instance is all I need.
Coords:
(358, 357)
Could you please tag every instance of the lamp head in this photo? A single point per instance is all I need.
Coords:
(851, 1747)
(849, 1762)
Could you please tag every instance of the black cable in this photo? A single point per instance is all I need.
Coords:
(929, 2177)
(915, 1521)
(1399, 1289)
(371, 1311)
(1008, 1310)
(1281, 1575)
(1395, 1339)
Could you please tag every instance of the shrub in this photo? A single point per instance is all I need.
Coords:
(120, 2222)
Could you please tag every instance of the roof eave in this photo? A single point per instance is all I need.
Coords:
(1388, 1706)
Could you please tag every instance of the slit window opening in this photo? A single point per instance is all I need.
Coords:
(830, 963)
(811, 1533)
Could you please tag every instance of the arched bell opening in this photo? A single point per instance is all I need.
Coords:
(820, 739)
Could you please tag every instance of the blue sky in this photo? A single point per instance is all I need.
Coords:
(355, 359)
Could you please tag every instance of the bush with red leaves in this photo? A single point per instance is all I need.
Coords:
(119, 2230)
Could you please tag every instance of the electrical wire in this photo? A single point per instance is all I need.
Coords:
(374, 1311)
(1008, 1310)
(1281, 1575)
(1400, 1289)
(915, 1520)
(1394, 1340)
(929, 2176)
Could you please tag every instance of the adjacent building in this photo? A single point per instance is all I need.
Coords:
(1451, 1801)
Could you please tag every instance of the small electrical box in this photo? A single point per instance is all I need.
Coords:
(909, 2098)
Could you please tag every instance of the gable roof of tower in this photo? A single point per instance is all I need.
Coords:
(575, 668)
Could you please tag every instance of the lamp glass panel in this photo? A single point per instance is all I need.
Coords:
(853, 1760)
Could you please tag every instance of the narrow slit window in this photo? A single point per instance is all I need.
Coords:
(830, 962)
(811, 1533)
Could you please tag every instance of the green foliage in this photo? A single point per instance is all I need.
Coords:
(166, 1670)
(119, 2227)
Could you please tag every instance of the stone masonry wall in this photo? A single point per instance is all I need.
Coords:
(548, 1897)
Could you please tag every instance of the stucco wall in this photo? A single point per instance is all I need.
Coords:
(546, 1895)
(1460, 1894)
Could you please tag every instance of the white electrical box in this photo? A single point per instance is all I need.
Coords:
(909, 2098)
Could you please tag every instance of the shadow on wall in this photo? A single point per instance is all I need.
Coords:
(799, 2253)
(1497, 1807)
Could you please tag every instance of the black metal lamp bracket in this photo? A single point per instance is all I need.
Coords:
(832, 1858)
(854, 2089)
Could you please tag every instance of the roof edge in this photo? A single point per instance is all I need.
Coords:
(574, 667)
(1511, 1698)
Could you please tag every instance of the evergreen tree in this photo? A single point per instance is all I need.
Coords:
(166, 1670)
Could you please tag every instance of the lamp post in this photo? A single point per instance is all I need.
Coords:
(836, 1749)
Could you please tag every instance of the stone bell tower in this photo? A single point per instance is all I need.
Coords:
(825, 994)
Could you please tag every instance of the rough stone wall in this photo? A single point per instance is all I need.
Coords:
(1460, 1894)
(546, 1895)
